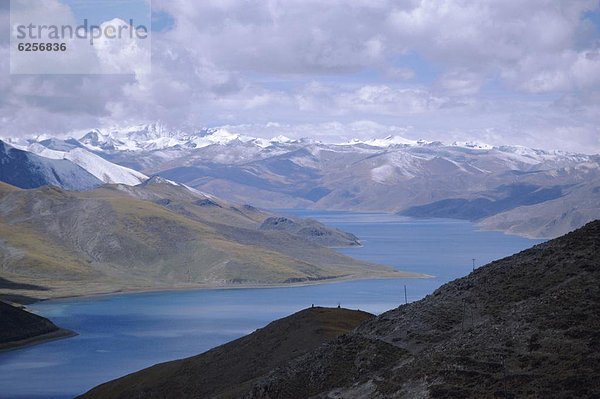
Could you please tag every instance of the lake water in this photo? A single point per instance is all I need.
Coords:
(119, 334)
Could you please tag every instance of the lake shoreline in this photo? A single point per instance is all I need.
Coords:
(61, 333)
(122, 332)
(481, 225)
(143, 290)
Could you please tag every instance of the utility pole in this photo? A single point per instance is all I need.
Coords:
(473, 264)
(462, 321)
(405, 296)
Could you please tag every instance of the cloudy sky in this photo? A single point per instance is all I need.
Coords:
(495, 71)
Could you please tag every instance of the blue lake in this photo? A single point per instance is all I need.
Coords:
(119, 334)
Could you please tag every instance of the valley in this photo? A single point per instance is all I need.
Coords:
(300, 199)
(122, 333)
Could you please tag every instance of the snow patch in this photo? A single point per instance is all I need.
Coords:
(386, 142)
(383, 173)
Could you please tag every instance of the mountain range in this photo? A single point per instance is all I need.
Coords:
(515, 189)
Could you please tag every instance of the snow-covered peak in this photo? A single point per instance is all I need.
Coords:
(93, 136)
(473, 145)
(16, 142)
(147, 132)
(220, 136)
(131, 138)
(281, 139)
(172, 143)
(96, 140)
(388, 141)
(156, 136)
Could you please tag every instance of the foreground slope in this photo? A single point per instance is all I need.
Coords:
(229, 370)
(154, 236)
(524, 326)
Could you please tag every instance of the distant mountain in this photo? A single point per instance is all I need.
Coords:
(61, 145)
(155, 136)
(497, 186)
(228, 371)
(157, 235)
(27, 170)
(577, 205)
(523, 326)
(311, 230)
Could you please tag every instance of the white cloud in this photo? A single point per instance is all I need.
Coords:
(125, 53)
(513, 71)
(386, 100)
(567, 71)
(461, 83)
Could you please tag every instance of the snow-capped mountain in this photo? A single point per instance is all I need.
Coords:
(153, 148)
(156, 137)
(392, 174)
(387, 142)
(25, 169)
(102, 169)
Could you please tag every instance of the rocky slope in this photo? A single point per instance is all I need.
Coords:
(229, 370)
(310, 230)
(155, 236)
(524, 326)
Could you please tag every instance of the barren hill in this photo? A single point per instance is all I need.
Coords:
(156, 236)
(229, 370)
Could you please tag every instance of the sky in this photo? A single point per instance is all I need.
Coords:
(497, 72)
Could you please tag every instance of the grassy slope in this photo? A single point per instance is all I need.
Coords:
(157, 237)
(229, 370)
